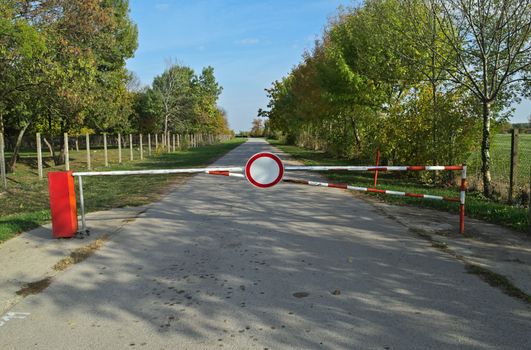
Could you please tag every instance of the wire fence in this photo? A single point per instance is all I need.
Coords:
(501, 165)
(86, 152)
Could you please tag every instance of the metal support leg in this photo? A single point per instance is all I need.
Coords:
(82, 205)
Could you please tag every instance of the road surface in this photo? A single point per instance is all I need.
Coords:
(219, 264)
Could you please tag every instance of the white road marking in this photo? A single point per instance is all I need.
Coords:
(11, 316)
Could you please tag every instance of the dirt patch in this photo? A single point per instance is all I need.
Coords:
(439, 245)
(34, 287)
(80, 254)
(300, 294)
(496, 280)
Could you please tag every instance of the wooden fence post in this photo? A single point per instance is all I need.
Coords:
(87, 138)
(3, 162)
(39, 155)
(141, 147)
(120, 148)
(149, 144)
(514, 163)
(67, 152)
(105, 149)
(131, 147)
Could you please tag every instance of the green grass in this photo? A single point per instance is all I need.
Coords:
(25, 205)
(500, 158)
(476, 205)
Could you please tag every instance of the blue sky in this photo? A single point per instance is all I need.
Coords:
(249, 43)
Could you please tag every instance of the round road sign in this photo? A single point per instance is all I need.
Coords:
(264, 170)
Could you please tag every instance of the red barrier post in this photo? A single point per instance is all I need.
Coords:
(377, 163)
(62, 204)
(462, 195)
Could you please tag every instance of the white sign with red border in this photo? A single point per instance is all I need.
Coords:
(264, 170)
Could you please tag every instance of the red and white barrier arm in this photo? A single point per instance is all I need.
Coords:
(157, 172)
(373, 168)
(223, 173)
(373, 190)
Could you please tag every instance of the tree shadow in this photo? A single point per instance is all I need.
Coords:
(216, 259)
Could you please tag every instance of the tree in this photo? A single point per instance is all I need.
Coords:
(81, 74)
(207, 92)
(257, 129)
(491, 40)
(144, 116)
(187, 102)
(376, 80)
(21, 50)
(173, 90)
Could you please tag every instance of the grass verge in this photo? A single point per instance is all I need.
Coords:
(25, 205)
(476, 205)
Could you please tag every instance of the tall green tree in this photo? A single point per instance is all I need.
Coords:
(491, 40)
(207, 91)
(82, 72)
(173, 90)
(22, 47)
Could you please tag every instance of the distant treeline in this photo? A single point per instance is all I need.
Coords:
(62, 69)
(424, 81)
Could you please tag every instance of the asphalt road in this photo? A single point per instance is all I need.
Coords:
(219, 264)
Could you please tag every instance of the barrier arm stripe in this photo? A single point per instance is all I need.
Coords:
(374, 168)
(224, 173)
(373, 190)
(462, 195)
(154, 172)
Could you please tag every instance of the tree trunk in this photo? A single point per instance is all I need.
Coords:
(13, 161)
(50, 148)
(485, 151)
(60, 158)
(57, 159)
(3, 177)
(356, 133)
(434, 123)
